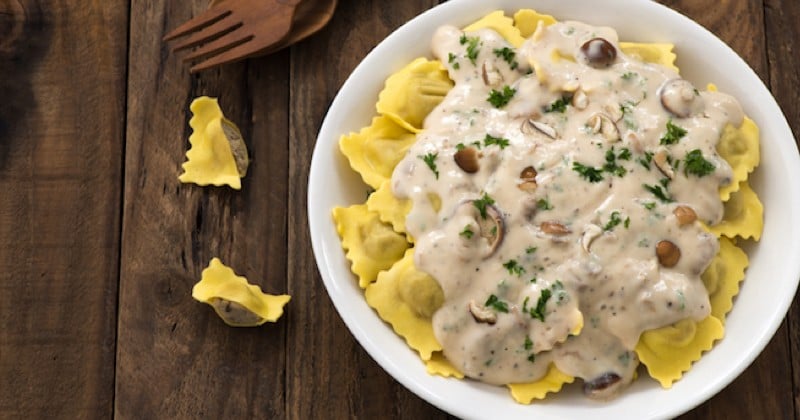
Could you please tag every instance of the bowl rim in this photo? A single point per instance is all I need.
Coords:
(329, 259)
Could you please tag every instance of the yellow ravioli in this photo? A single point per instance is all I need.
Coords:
(406, 298)
(501, 24)
(237, 302)
(374, 151)
(372, 246)
(210, 158)
(439, 365)
(527, 20)
(390, 209)
(722, 277)
(739, 147)
(668, 352)
(651, 52)
(412, 93)
(744, 215)
(551, 382)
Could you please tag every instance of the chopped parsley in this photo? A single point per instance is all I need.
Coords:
(451, 58)
(645, 161)
(587, 172)
(490, 140)
(627, 223)
(659, 192)
(613, 221)
(544, 204)
(496, 304)
(541, 305)
(507, 54)
(467, 232)
(460, 146)
(473, 46)
(629, 75)
(673, 134)
(499, 99)
(430, 160)
(481, 204)
(530, 249)
(513, 267)
(694, 163)
(528, 343)
(559, 105)
(611, 164)
(649, 206)
(532, 358)
(624, 154)
(627, 114)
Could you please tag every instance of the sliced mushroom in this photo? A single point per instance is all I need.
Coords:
(634, 141)
(591, 233)
(527, 179)
(467, 160)
(680, 98)
(603, 387)
(554, 228)
(603, 124)
(580, 100)
(613, 111)
(660, 159)
(685, 215)
(599, 53)
(531, 126)
(238, 147)
(482, 314)
(668, 253)
(491, 76)
(491, 228)
(235, 313)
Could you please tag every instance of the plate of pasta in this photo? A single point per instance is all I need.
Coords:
(554, 209)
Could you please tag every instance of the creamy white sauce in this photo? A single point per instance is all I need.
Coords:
(603, 272)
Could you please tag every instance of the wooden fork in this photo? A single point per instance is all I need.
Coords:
(234, 29)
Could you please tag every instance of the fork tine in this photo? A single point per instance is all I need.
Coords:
(207, 34)
(238, 52)
(219, 45)
(207, 18)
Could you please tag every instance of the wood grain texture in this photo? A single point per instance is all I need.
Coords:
(176, 358)
(61, 141)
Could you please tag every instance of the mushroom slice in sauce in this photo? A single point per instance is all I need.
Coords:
(591, 233)
(604, 124)
(680, 98)
(660, 159)
(527, 179)
(467, 160)
(491, 228)
(603, 387)
(491, 76)
(598, 53)
(481, 314)
(531, 126)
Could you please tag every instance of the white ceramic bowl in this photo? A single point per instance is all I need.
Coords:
(771, 278)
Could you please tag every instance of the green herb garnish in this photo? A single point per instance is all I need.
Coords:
(645, 161)
(473, 46)
(467, 232)
(544, 204)
(499, 99)
(587, 172)
(430, 160)
(496, 304)
(613, 222)
(481, 204)
(659, 192)
(491, 140)
(530, 249)
(673, 134)
(694, 163)
(513, 267)
(559, 105)
(451, 58)
(611, 164)
(528, 343)
(507, 54)
(649, 206)
(541, 305)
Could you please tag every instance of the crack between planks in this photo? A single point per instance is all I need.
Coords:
(121, 213)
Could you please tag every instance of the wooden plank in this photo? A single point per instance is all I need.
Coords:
(61, 141)
(329, 374)
(176, 358)
(781, 19)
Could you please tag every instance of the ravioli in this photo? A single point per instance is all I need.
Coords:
(551, 382)
(722, 277)
(501, 24)
(439, 365)
(217, 155)
(412, 93)
(389, 208)
(744, 215)
(527, 20)
(374, 151)
(237, 302)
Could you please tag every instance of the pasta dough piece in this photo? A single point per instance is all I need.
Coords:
(740, 148)
(237, 302)
(744, 215)
(405, 298)
(722, 277)
(391, 209)
(372, 246)
(412, 93)
(501, 24)
(217, 153)
(651, 52)
(551, 382)
(439, 365)
(374, 151)
(526, 21)
(668, 352)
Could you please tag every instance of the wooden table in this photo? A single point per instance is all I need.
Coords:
(100, 245)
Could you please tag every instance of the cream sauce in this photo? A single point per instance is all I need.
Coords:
(579, 298)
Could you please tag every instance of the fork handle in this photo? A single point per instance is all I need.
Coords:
(289, 2)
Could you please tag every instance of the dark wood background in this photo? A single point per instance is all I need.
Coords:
(100, 245)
